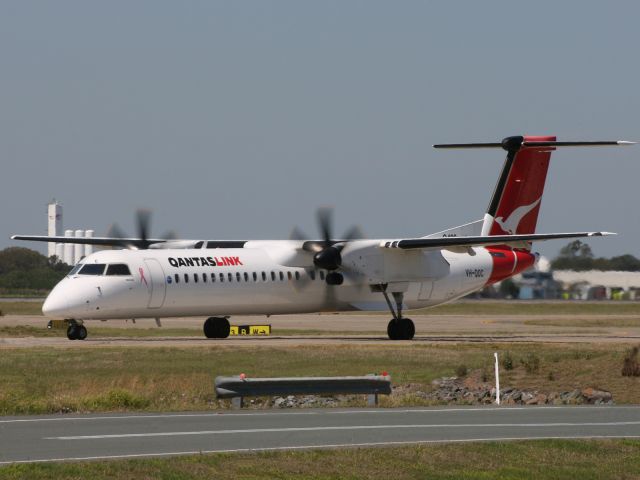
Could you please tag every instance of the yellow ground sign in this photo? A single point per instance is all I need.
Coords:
(250, 330)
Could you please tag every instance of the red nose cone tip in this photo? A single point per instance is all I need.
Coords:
(385, 374)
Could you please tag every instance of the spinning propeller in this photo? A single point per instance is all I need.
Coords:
(327, 253)
(142, 242)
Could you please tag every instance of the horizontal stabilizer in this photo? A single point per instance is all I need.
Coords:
(515, 241)
(547, 144)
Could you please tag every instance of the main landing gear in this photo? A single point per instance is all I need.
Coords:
(399, 328)
(76, 331)
(217, 327)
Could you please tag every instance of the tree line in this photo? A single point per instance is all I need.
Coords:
(578, 256)
(25, 271)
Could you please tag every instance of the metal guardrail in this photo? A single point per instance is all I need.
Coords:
(238, 387)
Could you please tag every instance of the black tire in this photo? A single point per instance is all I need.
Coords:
(392, 329)
(209, 328)
(216, 327)
(408, 329)
(72, 332)
(81, 332)
(223, 327)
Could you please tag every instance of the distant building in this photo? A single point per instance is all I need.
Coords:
(67, 252)
(596, 284)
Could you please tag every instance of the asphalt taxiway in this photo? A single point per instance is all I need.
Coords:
(92, 437)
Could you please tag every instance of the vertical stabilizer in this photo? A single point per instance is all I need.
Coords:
(517, 197)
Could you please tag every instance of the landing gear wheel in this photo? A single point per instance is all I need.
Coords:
(216, 327)
(81, 332)
(392, 329)
(402, 329)
(72, 332)
(408, 328)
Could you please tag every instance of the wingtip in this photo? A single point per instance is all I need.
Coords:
(625, 142)
(602, 234)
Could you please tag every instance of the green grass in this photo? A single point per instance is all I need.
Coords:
(45, 380)
(21, 308)
(542, 459)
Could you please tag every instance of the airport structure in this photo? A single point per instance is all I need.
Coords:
(67, 252)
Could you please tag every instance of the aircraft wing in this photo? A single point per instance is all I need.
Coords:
(104, 241)
(455, 243)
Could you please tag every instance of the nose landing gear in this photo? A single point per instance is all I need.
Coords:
(76, 331)
(217, 327)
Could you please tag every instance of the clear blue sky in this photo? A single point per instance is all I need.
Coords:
(238, 119)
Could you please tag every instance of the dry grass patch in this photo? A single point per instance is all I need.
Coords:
(44, 380)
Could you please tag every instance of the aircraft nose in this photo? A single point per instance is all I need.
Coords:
(55, 305)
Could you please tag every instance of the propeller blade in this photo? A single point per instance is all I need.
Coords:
(297, 234)
(324, 224)
(353, 233)
(143, 218)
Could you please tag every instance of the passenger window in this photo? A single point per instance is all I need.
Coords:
(222, 278)
(204, 278)
(92, 269)
(297, 275)
(177, 277)
(230, 277)
(321, 275)
(238, 276)
(195, 277)
(186, 278)
(246, 277)
(312, 274)
(273, 276)
(118, 269)
(255, 277)
(264, 276)
(281, 276)
(213, 277)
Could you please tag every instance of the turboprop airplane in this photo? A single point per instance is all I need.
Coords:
(155, 278)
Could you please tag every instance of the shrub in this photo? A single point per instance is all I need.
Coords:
(531, 362)
(507, 361)
(630, 365)
(461, 370)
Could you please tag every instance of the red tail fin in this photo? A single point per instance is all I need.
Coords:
(516, 203)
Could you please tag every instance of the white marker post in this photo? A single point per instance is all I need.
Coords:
(497, 380)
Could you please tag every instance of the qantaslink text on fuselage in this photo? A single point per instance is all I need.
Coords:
(204, 261)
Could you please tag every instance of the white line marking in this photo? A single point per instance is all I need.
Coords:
(343, 427)
(327, 446)
(329, 412)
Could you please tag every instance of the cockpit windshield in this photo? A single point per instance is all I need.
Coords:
(75, 269)
(118, 269)
(92, 269)
(113, 269)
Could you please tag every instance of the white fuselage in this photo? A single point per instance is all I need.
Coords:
(264, 277)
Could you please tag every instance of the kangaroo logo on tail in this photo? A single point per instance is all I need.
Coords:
(510, 225)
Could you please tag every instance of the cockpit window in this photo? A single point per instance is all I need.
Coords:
(118, 269)
(92, 269)
(75, 269)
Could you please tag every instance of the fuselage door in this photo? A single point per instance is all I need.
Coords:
(157, 285)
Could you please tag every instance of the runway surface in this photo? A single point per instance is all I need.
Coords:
(361, 329)
(92, 437)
